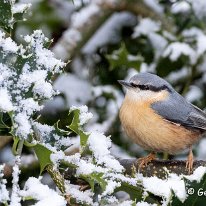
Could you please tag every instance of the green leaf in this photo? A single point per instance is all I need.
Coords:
(196, 193)
(76, 127)
(8, 18)
(95, 178)
(122, 58)
(6, 15)
(3, 119)
(43, 155)
(15, 145)
(60, 131)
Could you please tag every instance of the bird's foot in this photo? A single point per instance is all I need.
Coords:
(189, 162)
(143, 161)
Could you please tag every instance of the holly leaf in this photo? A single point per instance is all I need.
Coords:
(77, 128)
(122, 58)
(43, 155)
(11, 13)
(6, 14)
(196, 193)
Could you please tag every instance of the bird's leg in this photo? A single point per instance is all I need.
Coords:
(143, 161)
(189, 163)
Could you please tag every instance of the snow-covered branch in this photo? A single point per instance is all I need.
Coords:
(88, 20)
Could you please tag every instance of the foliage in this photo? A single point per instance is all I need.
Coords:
(67, 145)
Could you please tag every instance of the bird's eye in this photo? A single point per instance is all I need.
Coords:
(133, 84)
(144, 87)
(140, 86)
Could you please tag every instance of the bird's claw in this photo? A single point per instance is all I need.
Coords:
(143, 161)
(189, 162)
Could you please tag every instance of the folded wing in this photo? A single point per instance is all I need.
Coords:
(177, 110)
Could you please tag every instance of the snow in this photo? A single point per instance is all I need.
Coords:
(5, 75)
(22, 125)
(145, 27)
(180, 7)
(201, 44)
(45, 58)
(15, 197)
(199, 8)
(109, 32)
(84, 115)
(42, 193)
(111, 186)
(197, 174)
(20, 8)
(70, 38)
(99, 144)
(194, 94)
(176, 49)
(84, 197)
(43, 129)
(173, 182)
(5, 101)
(112, 106)
(29, 105)
(23, 97)
(80, 18)
(120, 177)
(192, 32)
(199, 37)
(73, 83)
(3, 191)
(174, 76)
(118, 152)
(43, 89)
(87, 168)
(126, 203)
(27, 78)
(7, 44)
(201, 149)
(158, 42)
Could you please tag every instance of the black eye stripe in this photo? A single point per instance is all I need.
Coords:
(142, 87)
(150, 87)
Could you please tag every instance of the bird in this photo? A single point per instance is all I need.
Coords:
(159, 119)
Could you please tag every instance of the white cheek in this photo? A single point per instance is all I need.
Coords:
(140, 95)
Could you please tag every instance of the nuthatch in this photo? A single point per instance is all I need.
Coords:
(159, 119)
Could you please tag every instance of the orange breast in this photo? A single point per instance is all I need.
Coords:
(151, 131)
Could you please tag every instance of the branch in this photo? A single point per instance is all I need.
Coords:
(95, 14)
(159, 168)
(4, 140)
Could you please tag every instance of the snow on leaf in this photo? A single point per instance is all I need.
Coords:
(42, 193)
(99, 144)
(5, 101)
(33, 65)
(11, 12)
(145, 27)
(176, 49)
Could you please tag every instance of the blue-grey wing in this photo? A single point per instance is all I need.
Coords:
(176, 109)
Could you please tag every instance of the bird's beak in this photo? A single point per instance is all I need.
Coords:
(124, 83)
